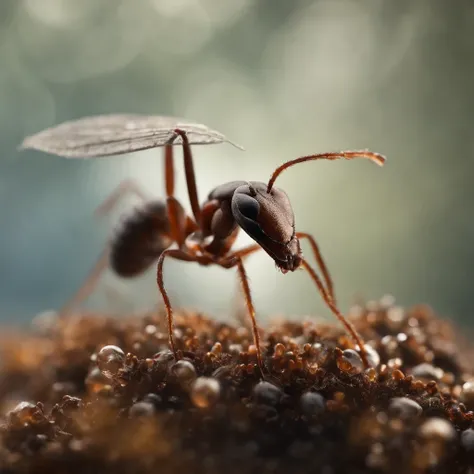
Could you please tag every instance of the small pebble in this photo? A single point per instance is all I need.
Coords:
(467, 440)
(154, 399)
(140, 409)
(404, 408)
(427, 372)
(185, 372)
(437, 429)
(267, 394)
(312, 404)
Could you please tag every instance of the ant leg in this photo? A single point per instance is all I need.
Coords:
(177, 223)
(347, 324)
(320, 262)
(89, 284)
(101, 264)
(178, 229)
(240, 310)
(237, 262)
(125, 187)
(169, 170)
(178, 255)
(190, 176)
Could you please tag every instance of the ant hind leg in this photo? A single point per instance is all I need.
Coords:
(89, 284)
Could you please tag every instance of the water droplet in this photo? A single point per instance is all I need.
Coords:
(267, 394)
(279, 350)
(205, 392)
(312, 403)
(405, 408)
(185, 372)
(350, 361)
(110, 360)
(252, 349)
(395, 363)
(467, 393)
(217, 348)
(373, 357)
(371, 373)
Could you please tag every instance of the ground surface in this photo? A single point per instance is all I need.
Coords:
(133, 409)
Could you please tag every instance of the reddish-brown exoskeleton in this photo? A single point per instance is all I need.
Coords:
(263, 211)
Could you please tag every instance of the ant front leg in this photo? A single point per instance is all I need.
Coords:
(235, 260)
(190, 175)
(240, 313)
(330, 303)
(180, 225)
(320, 261)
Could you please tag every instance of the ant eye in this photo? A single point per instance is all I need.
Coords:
(247, 206)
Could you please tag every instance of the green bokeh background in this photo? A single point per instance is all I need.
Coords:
(284, 79)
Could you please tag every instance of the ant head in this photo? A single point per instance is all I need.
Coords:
(269, 219)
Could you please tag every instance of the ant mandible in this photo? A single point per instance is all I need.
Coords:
(263, 211)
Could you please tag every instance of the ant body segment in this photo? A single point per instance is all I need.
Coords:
(260, 209)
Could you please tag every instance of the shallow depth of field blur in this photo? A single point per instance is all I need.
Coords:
(283, 79)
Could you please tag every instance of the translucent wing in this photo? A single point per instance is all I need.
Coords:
(105, 135)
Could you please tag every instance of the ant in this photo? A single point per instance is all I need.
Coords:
(260, 209)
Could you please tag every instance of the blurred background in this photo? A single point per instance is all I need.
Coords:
(282, 78)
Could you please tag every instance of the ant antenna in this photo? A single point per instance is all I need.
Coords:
(347, 155)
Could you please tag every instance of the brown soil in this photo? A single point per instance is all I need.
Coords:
(71, 406)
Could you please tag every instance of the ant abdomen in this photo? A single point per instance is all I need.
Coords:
(141, 238)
